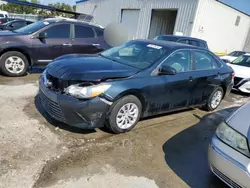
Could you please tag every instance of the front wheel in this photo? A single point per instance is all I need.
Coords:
(13, 64)
(124, 114)
(215, 99)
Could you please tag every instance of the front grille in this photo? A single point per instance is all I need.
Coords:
(237, 80)
(51, 107)
(225, 178)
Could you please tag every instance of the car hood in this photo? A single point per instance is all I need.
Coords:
(88, 68)
(240, 71)
(235, 120)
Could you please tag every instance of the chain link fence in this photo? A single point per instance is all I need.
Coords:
(30, 17)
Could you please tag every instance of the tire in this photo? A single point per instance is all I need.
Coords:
(20, 60)
(112, 119)
(210, 106)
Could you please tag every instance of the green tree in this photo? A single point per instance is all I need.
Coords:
(20, 9)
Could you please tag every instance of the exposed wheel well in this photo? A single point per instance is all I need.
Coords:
(224, 90)
(17, 50)
(136, 94)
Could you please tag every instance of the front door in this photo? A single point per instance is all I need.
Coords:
(85, 40)
(57, 43)
(172, 91)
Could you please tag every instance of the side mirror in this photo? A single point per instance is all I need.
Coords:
(42, 35)
(167, 70)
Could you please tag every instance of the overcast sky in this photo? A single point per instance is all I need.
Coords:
(243, 5)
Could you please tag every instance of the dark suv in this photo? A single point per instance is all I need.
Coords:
(43, 41)
(184, 40)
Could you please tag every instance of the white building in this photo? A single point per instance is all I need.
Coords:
(223, 27)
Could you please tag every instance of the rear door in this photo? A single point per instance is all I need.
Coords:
(58, 43)
(84, 40)
(206, 75)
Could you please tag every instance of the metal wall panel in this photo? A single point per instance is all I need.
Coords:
(247, 44)
(215, 23)
(107, 11)
(129, 19)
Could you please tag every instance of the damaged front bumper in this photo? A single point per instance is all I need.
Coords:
(242, 85)
(86, 114)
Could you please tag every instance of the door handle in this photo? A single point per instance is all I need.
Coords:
(96, 44)
(67, 44)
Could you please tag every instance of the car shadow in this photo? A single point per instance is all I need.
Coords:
(186, 152)
(56, 123)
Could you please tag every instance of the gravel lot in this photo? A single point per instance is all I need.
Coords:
(164, 151)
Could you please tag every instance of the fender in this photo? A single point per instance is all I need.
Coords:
(17, 46)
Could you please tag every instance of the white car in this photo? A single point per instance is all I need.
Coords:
(232, 56)
(241, 67)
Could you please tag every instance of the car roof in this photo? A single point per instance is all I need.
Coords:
(169, 44)
(183, 37)
(70, 20)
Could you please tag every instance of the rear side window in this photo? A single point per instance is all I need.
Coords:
(83, 32)
(99, 32)
(183, 41)
(202, 44)
(1, 15)
(193, 42)
(205, 61)
(59, 31)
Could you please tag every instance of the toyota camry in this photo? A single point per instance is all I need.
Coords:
(141, 78)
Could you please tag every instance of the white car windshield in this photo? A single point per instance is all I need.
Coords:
(243, 60)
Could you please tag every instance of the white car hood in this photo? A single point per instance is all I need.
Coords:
(229, 58)
(240, 71)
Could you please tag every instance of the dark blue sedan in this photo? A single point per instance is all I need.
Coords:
(141, 78)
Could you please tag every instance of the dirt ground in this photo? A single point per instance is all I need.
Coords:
(164, 151)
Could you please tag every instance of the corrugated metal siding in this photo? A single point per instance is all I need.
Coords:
(129, 19)
(162, 22)
(218, 21)
(107, 11)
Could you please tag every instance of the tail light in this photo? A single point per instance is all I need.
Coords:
(233, 75)
(1, 22)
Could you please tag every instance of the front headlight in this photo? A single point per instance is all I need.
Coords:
(86, 92)
(232, 138)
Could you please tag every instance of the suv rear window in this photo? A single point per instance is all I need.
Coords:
(166, 38)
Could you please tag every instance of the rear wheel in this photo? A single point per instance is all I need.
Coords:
(14, 64)
(124, 114)
(215, 99)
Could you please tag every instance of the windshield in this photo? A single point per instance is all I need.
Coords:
(236, 53)
(243, 60)
(136, 54)
(32, 27)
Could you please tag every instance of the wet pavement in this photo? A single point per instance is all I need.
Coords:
(163, 151)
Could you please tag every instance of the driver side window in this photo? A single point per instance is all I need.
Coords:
(180, 61)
